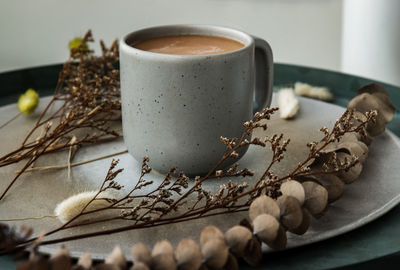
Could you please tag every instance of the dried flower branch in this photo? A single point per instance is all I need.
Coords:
(160, 206)
(88, 90)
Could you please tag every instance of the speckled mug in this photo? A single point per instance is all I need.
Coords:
(176, 107)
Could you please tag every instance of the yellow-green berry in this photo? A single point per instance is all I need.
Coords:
(28, 101)
(75, 43)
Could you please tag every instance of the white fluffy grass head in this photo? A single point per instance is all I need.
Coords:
(304, 89)
(288, 103)
(72, 206)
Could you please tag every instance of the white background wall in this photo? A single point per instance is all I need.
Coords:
(37, 32)
(304, 32)
(371, 39)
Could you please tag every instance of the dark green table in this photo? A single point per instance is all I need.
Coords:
(374, 245)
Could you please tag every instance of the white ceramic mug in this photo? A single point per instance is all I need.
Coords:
(176, 107)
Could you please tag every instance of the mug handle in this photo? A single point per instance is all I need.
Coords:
(264, 74)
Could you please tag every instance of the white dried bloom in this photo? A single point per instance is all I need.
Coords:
(72, 206)
(218, 173)
(304, 89)
(288, 103)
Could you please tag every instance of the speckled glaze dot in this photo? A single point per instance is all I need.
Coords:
(188, 101)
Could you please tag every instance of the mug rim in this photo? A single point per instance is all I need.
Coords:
(185, 29)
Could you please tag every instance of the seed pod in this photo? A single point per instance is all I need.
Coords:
(377, 90)
(37, 263)
(266, 228)
(352, 137)
(188, 255)
(355, 148)
(331, 183)
(374, 97)
(203, 267)
(106, 266)
(237, 239)
(349, 143)
(215, 253)
(116, 257)
(302, 229)
(264, 205)
(365, 138)
(162, 246)
(364, 148)
(163, 256)
(139, 266)
(163, 261)
(60, 259)
(291, 214)
(231, 263)
(85, 261)
(353, 173)
(246, 223)
(316, 198)
(294, 189)
(210, 232)
(140, 253)
(280, 241)
(253, 253)
(358, 117)
(355, 122)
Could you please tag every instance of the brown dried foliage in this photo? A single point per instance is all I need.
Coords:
(88, 90)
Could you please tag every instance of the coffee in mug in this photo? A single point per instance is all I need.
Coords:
(177, 102)
(188, 45)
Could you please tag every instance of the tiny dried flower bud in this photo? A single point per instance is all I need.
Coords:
(28, 101)
(218, 173)
(257, 115)
(234, 154)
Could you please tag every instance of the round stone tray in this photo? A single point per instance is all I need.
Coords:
(37, 193)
